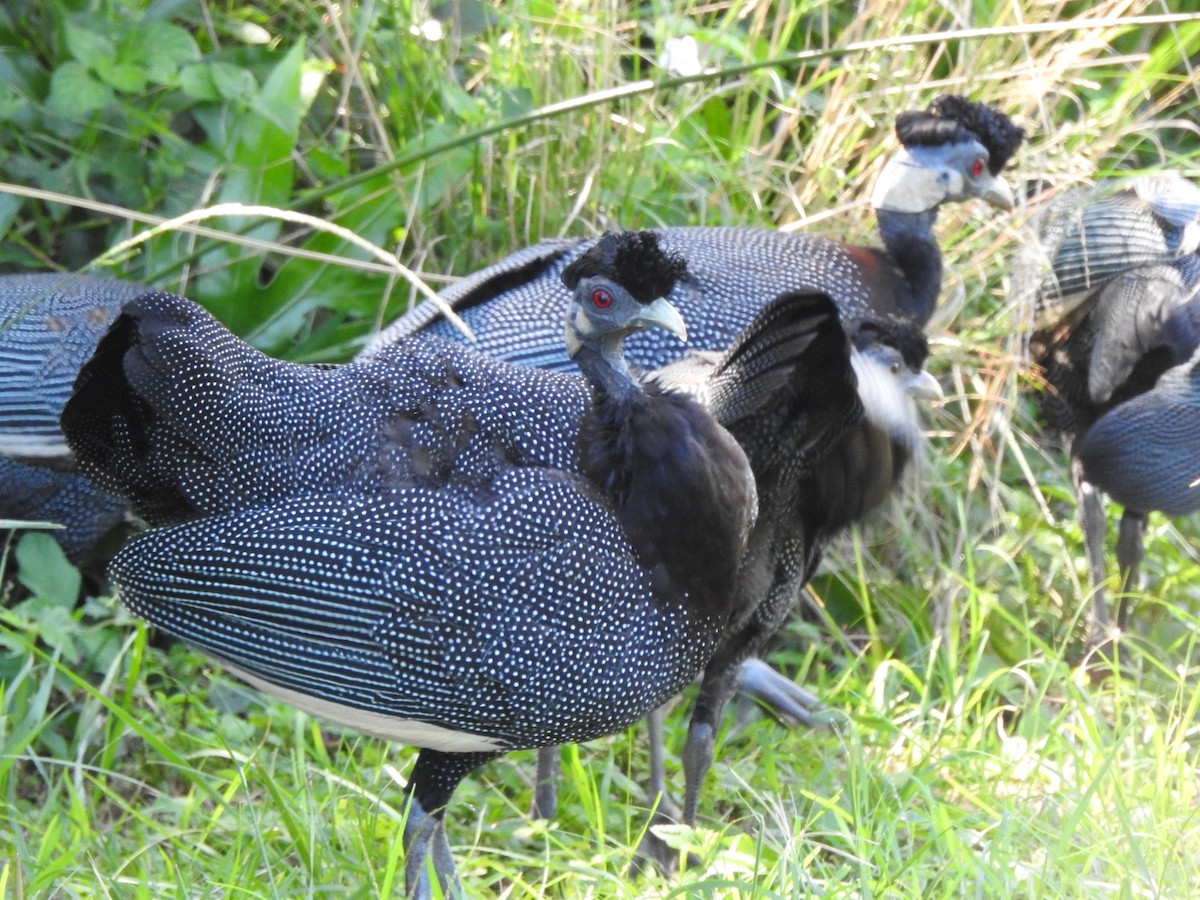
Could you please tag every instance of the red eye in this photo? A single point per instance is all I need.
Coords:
(977, 168)
(601, 299)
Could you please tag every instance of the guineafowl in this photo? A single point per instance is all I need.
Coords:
(433, 546)
(954, 150)
(1145, 453)
(49, 325)
(1115, 274)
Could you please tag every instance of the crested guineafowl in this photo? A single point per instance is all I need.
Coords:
(49, 326)
(437, 547)
(954, 150)
(1115, 274)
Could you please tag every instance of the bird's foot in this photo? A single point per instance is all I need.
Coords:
(657, 849)
(787, 701)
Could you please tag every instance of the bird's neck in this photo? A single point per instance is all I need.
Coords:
(909, 241)
(679, 486)
(604, 366)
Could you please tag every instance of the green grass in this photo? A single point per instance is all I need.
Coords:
(975, 749)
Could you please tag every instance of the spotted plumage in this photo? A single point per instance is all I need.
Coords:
(1145, 453)
(1112, 273)
(423, 545)
(954, 150)
(49, 325)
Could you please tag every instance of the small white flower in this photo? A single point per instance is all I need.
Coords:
(681, 56)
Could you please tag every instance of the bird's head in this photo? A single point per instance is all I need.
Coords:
(619, 286)
(955, 149)
(889, 361)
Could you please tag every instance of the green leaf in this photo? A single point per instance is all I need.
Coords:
(9, 207)
(95, 51)
(515, 102)
(260, 171)
(217, 81)
(280, 100)
(74, 93)
(44, 569)
(233, 82)
(160, 49)
(55, 624)
(125, 77)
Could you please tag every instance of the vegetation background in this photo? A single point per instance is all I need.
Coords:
(974, 749)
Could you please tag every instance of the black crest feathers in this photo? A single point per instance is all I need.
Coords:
(950, 118)
(634, 260)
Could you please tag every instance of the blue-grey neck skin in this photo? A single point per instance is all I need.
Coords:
(603, 364)
(909, 241)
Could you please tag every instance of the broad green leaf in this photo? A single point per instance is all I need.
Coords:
(44, 569)
(127, 78)
(260, 171)
(92, 49)
(217, 81)
(160, 49)
(74, 93)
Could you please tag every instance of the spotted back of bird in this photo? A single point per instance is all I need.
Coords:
(1086, 236)
(49, 325)
(1146, 453)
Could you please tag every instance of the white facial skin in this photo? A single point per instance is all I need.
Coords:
(888, 388)
(919, 179)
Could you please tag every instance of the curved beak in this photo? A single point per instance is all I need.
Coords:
(923, 386)
(995, 190)
(661, 314)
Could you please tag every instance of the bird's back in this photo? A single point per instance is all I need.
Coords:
(49, 325)
(515, 306)
(1146, 453)
(1116, 273)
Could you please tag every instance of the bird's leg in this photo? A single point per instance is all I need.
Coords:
(433, 780)
(652, 847)
(715, 691)
(656, 786)
(782, 697)
(1091, 520)
(1130, 548)
(545, 788)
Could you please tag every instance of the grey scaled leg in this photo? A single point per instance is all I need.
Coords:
(715, 690)
(545, 788)
(1131, 545)
(656, 788)
(652, 848)
(432, 782)
(1091, 520)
